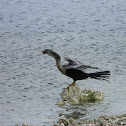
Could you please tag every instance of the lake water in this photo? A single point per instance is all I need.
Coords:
(91, 31)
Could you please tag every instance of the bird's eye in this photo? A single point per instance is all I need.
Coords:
(44, 52)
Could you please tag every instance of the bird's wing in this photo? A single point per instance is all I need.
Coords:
(77, 65)
(82, 67)
(85, 67)
(72, 62)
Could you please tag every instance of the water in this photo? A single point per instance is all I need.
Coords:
(93, 31)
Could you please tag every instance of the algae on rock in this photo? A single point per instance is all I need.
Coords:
(74, 95)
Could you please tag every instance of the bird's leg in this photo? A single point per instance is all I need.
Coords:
(71, 85)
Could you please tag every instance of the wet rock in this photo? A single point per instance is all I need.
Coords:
(23, 125)
(63, 102)
(71, 91)
(63, 121)
(67, 122)
(74, 95)
(87, 121)
(101, 121)
(122, 121)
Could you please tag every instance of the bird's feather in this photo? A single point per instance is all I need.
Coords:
(75, 64)
(72, 61)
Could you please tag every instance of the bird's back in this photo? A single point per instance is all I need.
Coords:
(76, 74)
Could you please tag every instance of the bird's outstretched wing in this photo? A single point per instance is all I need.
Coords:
(75, 64)
(72, 62)
(85, 67)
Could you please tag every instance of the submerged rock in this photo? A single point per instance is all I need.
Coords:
(74, 95)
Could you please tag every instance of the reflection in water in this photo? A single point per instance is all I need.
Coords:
(75, 115)
(74, 111)
(87, 110)
(78, 112)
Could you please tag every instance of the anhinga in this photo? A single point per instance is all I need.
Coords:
(75, 69)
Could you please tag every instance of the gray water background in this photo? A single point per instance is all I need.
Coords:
(91, 31)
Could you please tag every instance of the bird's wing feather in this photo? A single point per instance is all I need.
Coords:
(85, 67)
(77, 65)
(72, 62)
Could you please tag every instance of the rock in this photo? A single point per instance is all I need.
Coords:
(72, 122)
(122, 121)
(124, 115)
(62, 102)
(71, 91)
(62, 124)
(74, 95)
(23, 125)
(67, 122)
(101, 121)
(87, 121)
(63, 121)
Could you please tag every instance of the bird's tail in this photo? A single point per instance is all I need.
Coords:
(103, 75)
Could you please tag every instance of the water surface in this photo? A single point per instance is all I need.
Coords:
(93, 32)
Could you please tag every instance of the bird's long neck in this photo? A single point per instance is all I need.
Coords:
(58, 62)
(60, 67)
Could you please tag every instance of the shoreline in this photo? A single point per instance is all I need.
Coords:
(115, 120)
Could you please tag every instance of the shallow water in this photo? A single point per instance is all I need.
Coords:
(93, 32)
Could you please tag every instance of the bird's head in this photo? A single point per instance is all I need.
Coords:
(46, 51)
(51, 53)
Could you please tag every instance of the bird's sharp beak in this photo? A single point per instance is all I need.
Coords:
(43, 51)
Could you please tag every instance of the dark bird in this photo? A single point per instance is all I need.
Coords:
(75, 69)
